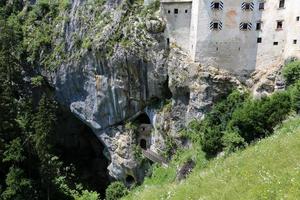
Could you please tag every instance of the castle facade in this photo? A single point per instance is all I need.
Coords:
(238, 35)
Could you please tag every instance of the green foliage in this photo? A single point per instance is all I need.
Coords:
(14, 151)
(257, 118)
(295, 96)
(137, 153)
(209, 132)
(18, 187)
(37, 81)
(115, 191)
(232, 141)
(267, 170)
(291, 72)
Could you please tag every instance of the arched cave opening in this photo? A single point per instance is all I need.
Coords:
(142, 119)
(129, 180)
(143, 144)
(77, 145)
(166, 90)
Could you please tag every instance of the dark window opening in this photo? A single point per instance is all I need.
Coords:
(176, 11)
(298, 18)
(142, 119)
(259, 40)
(247, 6)
(279, 25)
(258, 26)
(168, 41)
(186, 11)
(130, 180)
(216, 25)
(169, 11)
(245, 26)
(261, 6)
(281, 3)
(275, 43)
(143, 144)
(217, 5)
(217, 49)
(295, 41)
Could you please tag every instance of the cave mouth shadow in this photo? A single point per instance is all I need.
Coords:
(142, 119)
(77, 145)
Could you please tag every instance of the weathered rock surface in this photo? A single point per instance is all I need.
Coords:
(126, 69)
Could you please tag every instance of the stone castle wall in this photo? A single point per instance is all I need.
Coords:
(229, 46)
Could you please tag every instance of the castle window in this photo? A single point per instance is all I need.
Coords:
(186, 11)
(246, 6)
(259, 40)
(297, 18)
(216, 25)
(295, 41)
(217, 5)
(169, 11)
(176, 10)
(275, 43)
(244, 26)
(261, 6)
(281, 3)
(279, 25)
(258, 26)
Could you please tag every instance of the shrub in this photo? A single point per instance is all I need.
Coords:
(232, 141)
(291, 72)
(215, 123)
(257, 118)
(295, 96)
(116, 191)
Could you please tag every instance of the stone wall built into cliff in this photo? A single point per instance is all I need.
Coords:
(237, 35)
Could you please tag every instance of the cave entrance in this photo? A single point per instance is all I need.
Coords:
(77, 144)
(143, 144)
(143, 119)
(130, 180)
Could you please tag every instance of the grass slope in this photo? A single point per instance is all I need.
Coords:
(270, 169)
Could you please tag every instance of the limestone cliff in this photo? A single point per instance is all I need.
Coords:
(116, 67)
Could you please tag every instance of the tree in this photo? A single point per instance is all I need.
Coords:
(116, 191)
(18, 187)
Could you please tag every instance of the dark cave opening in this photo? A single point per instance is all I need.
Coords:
(77, 145)
(129, 180)
(166, 90)
(142, 119)
(143, 144)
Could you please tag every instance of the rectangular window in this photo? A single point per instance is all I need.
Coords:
(258, 26)
(281, 3)
(245, 26)
(275, 43)
(295, 41)
(247, 6)
(176, 11)
(216, 26)
(186, 11)
(259, 40)
(298, 19)
(261, 6)
(279, 25)
(217, 5)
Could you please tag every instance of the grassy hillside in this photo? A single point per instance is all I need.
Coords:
(270, 169)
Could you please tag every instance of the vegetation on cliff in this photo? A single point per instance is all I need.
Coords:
(266, 169)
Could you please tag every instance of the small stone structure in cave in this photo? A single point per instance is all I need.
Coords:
(144, 131)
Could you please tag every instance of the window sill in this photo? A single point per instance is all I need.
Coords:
(279, 29)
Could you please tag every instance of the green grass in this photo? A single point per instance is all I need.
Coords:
(270, 169)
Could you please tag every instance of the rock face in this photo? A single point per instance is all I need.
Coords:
(123, 71)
